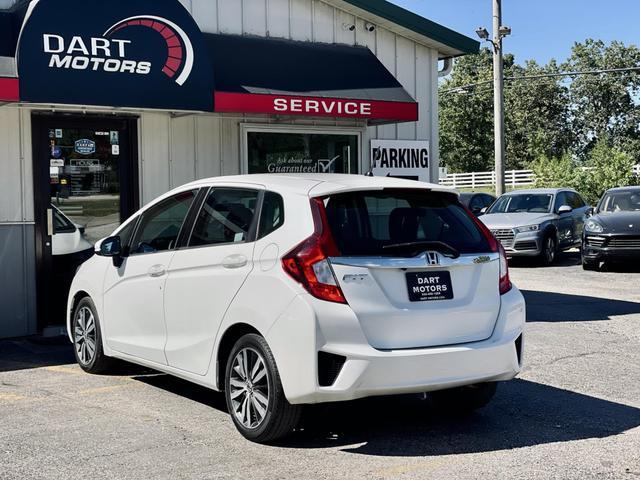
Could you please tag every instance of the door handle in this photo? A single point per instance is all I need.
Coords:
(157, 271)
(50, 222)
(234, 261)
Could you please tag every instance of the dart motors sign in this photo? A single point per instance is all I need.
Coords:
(134, 53)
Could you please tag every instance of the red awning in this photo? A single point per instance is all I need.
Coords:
(280, 77)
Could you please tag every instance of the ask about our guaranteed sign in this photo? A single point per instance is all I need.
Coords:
(117, 53)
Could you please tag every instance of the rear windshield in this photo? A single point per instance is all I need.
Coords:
(364, 223)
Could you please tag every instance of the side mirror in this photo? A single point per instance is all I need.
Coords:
(589, 212)
(565, 209)
(112, 247)
(484, 210)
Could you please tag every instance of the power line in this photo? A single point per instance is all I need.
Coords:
(462, 88)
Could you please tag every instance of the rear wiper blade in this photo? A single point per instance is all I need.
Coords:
(421, 246)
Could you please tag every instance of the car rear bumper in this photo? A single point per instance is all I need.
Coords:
(368, 372)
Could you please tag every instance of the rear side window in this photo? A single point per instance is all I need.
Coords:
(226, 217)
(272, 215)
(364, 223)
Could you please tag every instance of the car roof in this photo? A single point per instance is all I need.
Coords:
(320, 184)
(632, 188)
(534, 191)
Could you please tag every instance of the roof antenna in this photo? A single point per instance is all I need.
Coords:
(376, 155)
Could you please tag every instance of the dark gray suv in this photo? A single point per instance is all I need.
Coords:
(538, 222)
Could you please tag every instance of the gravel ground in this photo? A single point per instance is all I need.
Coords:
(574, 413)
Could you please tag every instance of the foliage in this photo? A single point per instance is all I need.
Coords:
(606, 167)
(554, 118)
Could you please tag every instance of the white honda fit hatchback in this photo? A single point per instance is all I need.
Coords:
(285, 290)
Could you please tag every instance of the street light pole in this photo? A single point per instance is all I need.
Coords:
(499, 32)
(498, 97)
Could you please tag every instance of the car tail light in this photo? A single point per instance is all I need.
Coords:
(495, 246)
(308, 262)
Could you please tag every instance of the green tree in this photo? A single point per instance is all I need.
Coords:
(606, 166)
(536, 114)
(605, 105)
(466, 115)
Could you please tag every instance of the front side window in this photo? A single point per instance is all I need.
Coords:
(226, 217)
(375, 223)
(160, 225)
(561, 199)
(519, 203)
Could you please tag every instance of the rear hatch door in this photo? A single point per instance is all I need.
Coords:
(414, 267)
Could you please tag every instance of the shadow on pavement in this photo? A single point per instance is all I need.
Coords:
(35, 352)
(562, 307)
(522, 414)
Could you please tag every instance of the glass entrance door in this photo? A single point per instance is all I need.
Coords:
(85, 186)
(84, 180)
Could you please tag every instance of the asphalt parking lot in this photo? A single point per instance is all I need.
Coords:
(574, 413)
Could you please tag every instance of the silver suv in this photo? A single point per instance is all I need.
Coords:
(537, 222)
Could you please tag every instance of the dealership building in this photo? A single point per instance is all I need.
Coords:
(104, 105)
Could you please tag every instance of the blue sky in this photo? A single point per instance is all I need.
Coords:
(542, 29)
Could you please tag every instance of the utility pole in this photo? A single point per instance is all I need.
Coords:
(499, 32)
(498, 97)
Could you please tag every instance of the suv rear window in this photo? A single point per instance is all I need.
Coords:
(364, 223)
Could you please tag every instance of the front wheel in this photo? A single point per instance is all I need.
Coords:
(549, 250)
(87, 338)
(254, 393)
(464, 399)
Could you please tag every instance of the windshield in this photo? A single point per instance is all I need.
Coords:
(621, 202)
(538, 203)
(377, 223)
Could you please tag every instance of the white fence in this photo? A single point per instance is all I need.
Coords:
(513, 178)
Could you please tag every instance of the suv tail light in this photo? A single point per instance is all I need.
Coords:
(495, 246)
(308, 262)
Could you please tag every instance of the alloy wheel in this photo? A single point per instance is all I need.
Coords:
(249, 388)
(550, 250)
(85, 335)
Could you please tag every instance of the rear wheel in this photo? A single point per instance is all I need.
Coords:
(87, 339)
(464, 399)
(255, 398)
(549, 249)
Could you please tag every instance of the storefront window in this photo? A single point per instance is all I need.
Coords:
(275, 152)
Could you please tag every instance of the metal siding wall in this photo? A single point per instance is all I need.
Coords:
(254, 17)
(16, 181)
(183, 150)
(155, 172)
(206, 14)
(17, 242)
(278, 18)
(230, 16)
(301, 20)
(406, 74)
(208, 147)
(17, 280)
(323, 22)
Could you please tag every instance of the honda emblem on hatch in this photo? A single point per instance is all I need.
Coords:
(433, 258)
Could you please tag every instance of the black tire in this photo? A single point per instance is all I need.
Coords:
(466, 399)
(280, 417)
(549, 250)
(83, 334)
